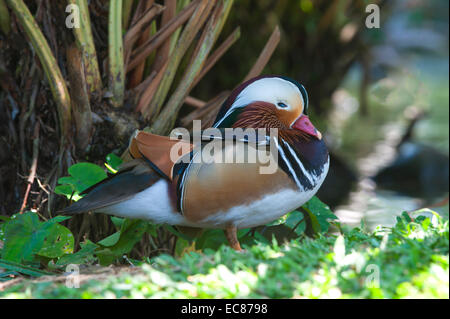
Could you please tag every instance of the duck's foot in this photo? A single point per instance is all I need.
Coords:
(231, 234)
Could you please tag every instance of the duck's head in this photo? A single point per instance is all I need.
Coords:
(268, 101)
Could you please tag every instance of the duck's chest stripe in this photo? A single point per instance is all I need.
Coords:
(299, 170)
(298, 163)
(285, 164)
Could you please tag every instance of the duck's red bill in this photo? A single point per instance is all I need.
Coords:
(304, 124)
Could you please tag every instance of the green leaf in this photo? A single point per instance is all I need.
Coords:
(180, 246)
(105, 257)
(2, 232)
(85, 175)
(260, 238)
(25, 236)
(83, 256)
(67, 180)
(7, 275)
(315, 225)
(211, 238)
(278, 221)
(177, 233)
(245, 237)
(26, 270)
(151, 229)
(5, 218)
(130, 233)
(113, 161)
(110, 240)
(58, 242)
(66, 190)
(295, 221)
(117, 221)
(58, 219)
(321, 212)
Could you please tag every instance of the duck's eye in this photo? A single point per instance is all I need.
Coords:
(282, 105)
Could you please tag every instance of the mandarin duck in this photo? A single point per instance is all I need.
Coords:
(184, 190)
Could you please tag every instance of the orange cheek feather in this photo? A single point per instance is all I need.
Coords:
(288, 117)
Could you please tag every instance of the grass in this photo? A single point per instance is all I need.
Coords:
(408, 261)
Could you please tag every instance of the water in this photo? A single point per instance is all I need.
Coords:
(370, 143)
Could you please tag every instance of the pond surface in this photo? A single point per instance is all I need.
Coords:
(369, 143)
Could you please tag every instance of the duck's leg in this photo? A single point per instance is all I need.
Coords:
(231, 234)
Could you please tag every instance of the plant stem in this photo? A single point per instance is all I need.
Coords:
(53, 73)
(162, 54)
(80, 98)
(5, 19)
(217, 54)
(85, 43)
(189, 32)
(158, 39)
(115, 50)
(168, 116)
(32, 174)
(265, 55)
(126, 13)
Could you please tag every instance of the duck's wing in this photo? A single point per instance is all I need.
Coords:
(132, 178)
(154, 158)
(161, 152)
